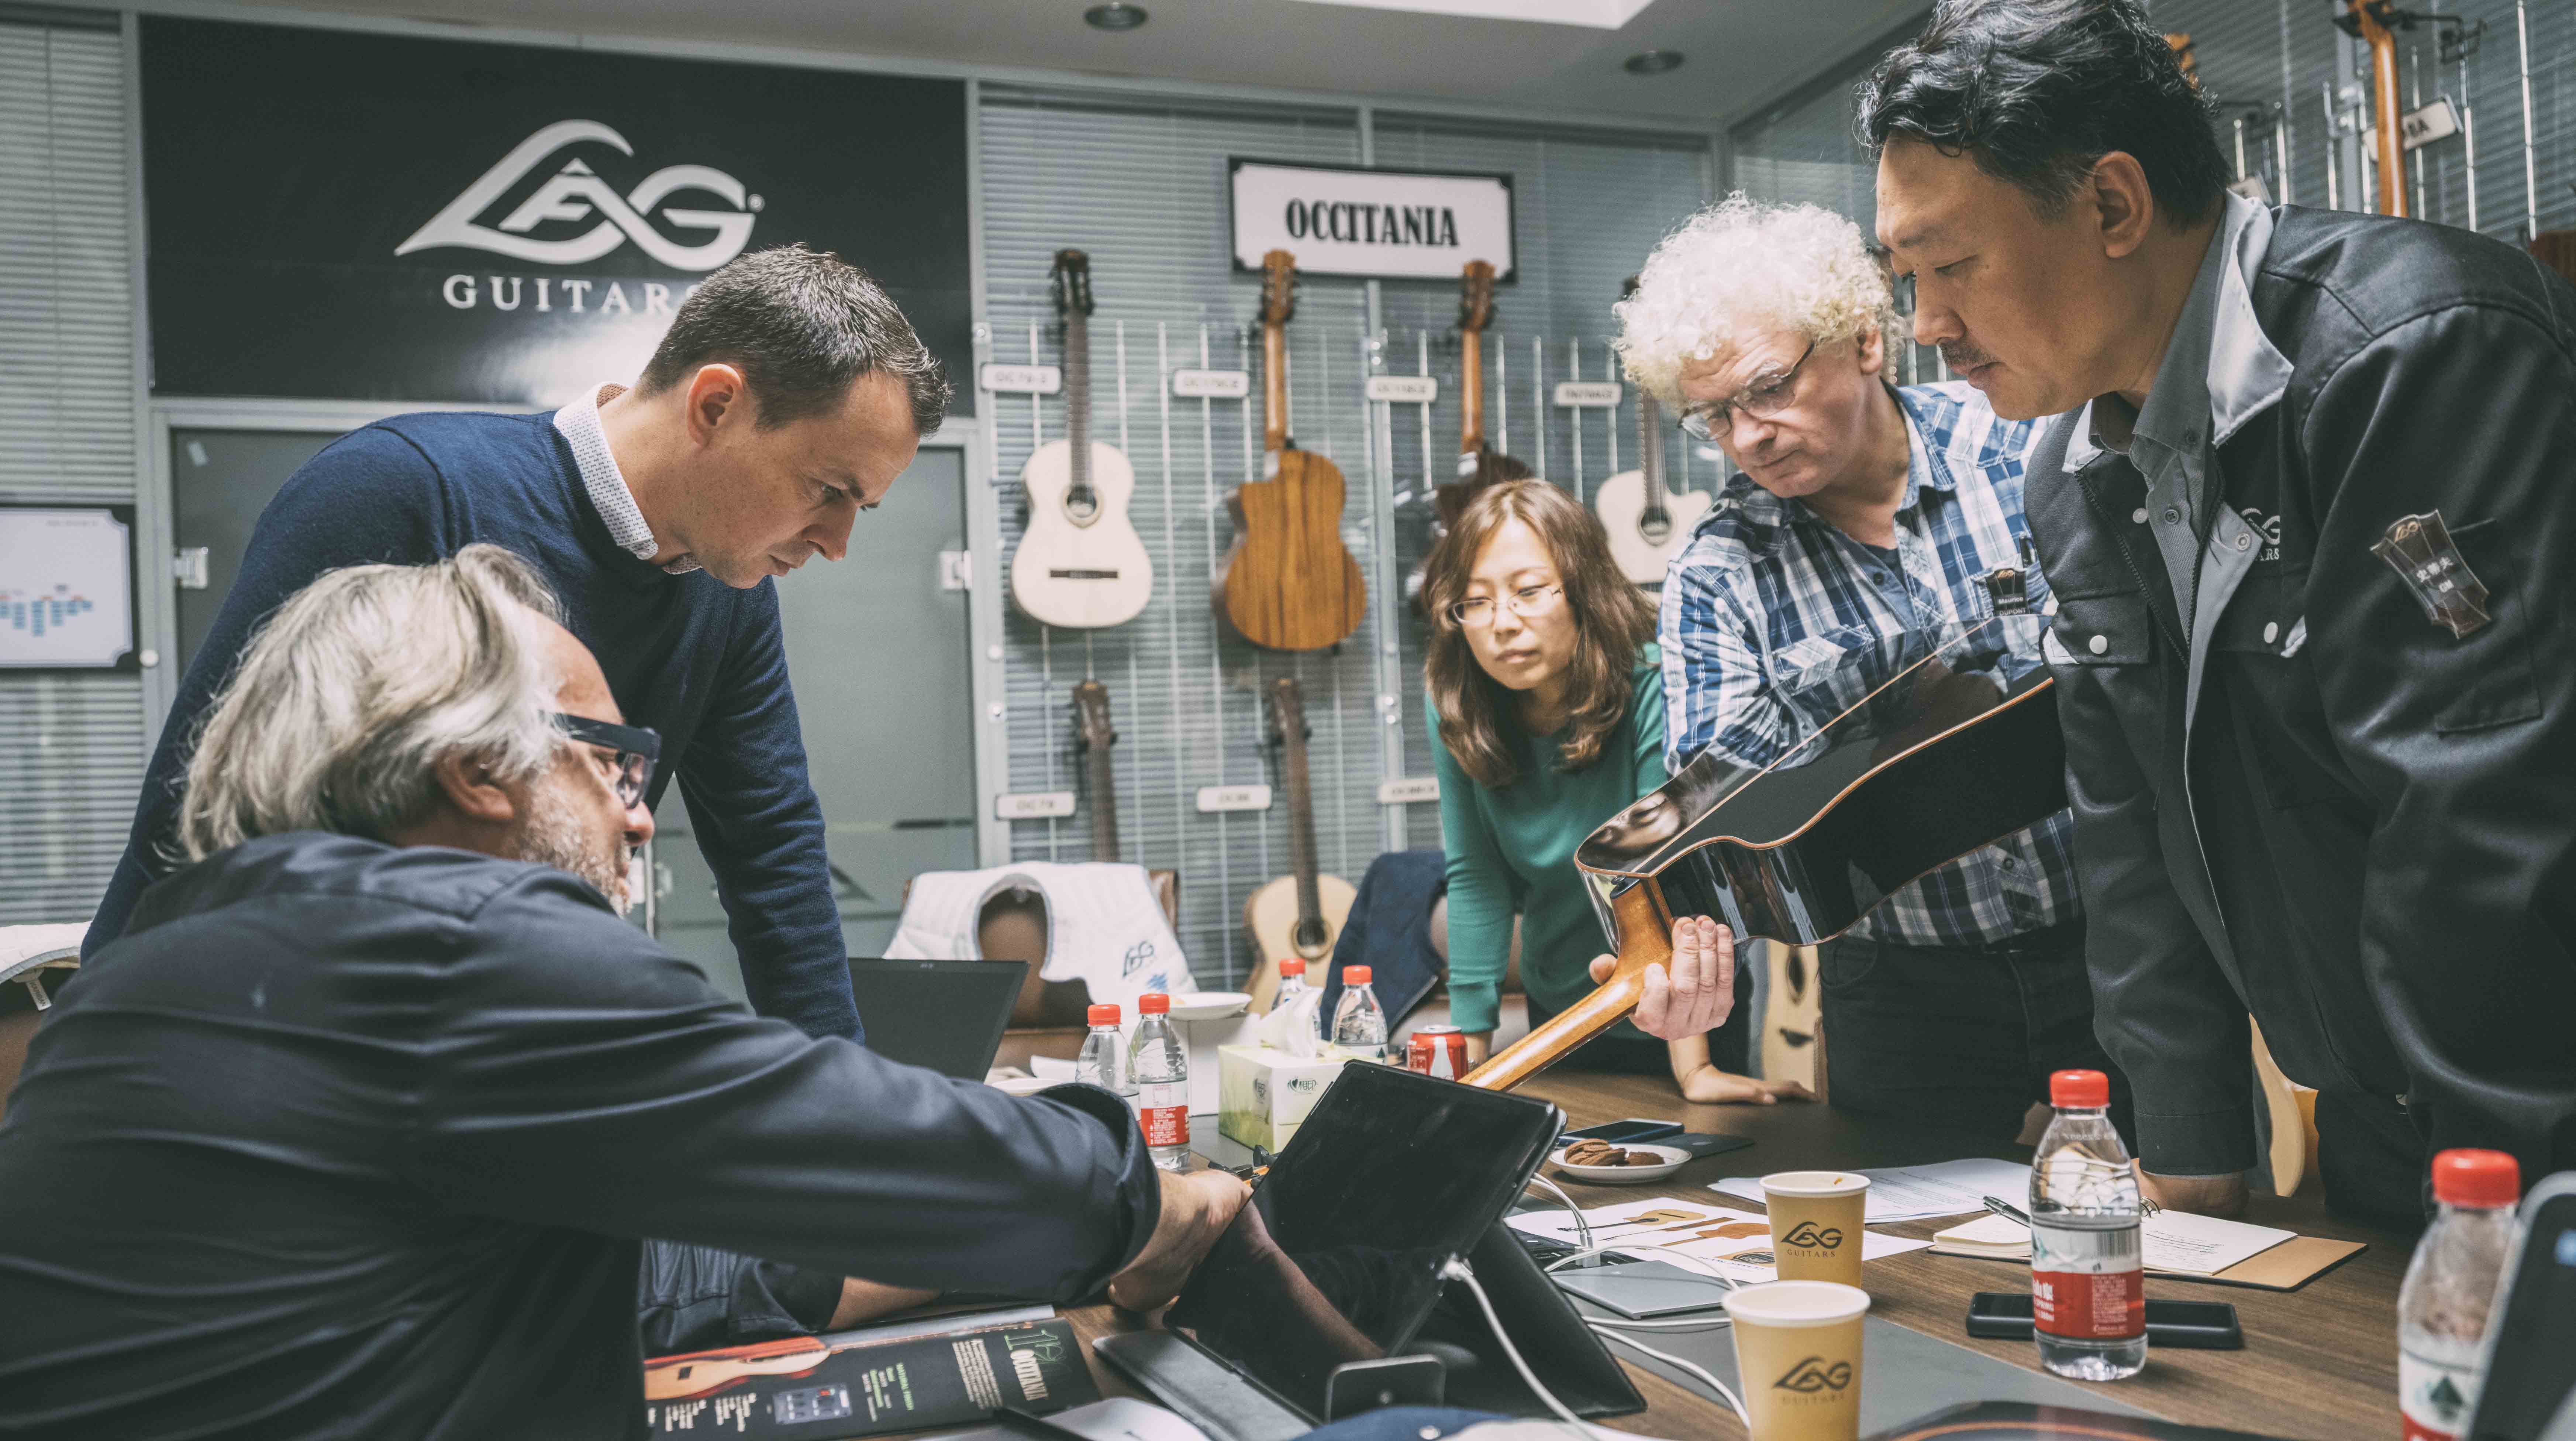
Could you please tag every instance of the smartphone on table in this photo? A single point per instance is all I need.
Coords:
(2198, 1325)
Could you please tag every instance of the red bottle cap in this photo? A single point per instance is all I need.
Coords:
(2079, 1090)
(1153, 1003)
(1104, 1015)
(2476, 1178)
(1355, 975)
(1292, 966)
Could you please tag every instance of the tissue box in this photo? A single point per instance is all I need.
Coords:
(1263, 1095)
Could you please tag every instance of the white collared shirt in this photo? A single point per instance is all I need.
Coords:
(578, 423)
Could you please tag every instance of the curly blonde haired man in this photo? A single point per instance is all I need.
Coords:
(1864, 514)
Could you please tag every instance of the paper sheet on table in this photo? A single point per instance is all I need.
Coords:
(1119, 1418)
(1610, 1223)
(1739, 1242)
(2177, 1242)
(1918, 1193)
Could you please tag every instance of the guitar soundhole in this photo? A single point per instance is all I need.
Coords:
(1656, 526)
(1308, 937)
(1082, 505)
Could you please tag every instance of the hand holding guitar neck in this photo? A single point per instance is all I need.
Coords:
(1289, 583)
(1081, 563)
(1648, 522)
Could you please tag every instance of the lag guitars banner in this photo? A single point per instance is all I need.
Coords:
(336, 214)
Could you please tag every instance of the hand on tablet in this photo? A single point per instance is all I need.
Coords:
(1698, 994)
(1197, 1207)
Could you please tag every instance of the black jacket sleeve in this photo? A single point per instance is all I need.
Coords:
(2161, 1006)
(2468, 922)
(580, 1076)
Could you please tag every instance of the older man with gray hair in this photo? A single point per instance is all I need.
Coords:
(1853, 539)
(356, 1132)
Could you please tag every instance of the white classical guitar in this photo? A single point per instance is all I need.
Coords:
(1080, 564)
(1648, 523)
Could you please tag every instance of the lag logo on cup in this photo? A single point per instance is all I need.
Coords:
(1815, 1374)
(1808, 1235)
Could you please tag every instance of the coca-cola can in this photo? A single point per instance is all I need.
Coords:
(1437, 1051)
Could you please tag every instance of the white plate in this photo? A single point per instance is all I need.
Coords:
(1210, 1005)
(1023, 1085)
(1674, 1157)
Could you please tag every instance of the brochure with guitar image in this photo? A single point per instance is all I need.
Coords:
(860, 1383)
(2178, 1244)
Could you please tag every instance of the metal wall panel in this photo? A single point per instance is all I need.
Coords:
(73, 753)
(1140, 185)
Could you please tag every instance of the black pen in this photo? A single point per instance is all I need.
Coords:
(1015, 1419)
(2006, 1210)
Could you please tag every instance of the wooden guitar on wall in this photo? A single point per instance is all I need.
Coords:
(1289, 583)
(1957, 751)
(1299, 914)
(1648, 523)
(1096, 736)
(1080, 563)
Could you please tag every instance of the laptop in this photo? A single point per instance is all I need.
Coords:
(946, 1015)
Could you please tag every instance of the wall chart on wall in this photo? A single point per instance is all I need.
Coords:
(67, 587)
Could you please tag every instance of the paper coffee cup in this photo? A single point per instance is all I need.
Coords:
(1816, 1224)
(1798, 1357)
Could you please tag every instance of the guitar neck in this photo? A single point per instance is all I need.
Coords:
(1650, 448)
(1301, 801)
(1471, 385)
(1274, 387)
(1077, 396)
(1104, 805)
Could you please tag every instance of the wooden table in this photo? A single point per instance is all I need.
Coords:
(2319, 1363)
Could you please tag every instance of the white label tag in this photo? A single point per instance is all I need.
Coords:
(1233, 798)
(1021, 379)
(2437, 121)
(1032, 805)
(1211, 384)
(1409, 389)
(1414, 788)
(1589, 394)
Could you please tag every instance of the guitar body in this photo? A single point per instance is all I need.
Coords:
(1290, 583)
(1070, 574)
(1270, 924)
(1621, 503)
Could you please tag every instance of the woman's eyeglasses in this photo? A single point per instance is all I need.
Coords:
(1479, 612)
(636, 750)
(1762, 399)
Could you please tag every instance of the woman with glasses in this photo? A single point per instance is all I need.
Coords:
(1546, 711)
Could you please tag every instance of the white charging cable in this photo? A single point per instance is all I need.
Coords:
(1458, 1270)
(1692, 1367)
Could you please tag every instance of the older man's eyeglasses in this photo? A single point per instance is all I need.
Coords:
(634, 750)
(1478, 612)
(1762, 399)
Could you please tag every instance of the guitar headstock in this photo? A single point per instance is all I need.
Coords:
(1072, 283)
(1278, 288)
(1287, 709)
(1476, 297)
(1091, 716)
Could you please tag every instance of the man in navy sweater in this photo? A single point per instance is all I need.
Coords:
(785, 399)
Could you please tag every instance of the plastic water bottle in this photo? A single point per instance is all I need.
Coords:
(1292, 984)
(2450, 1288)
(1359, 1022)
(1102, 1063)
(1159, 1066)
(2087, 1282)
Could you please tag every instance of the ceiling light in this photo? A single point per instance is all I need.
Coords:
(1652, 62)
(1116, 15)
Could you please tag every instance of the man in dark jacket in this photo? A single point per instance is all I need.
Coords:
(356, 1129)
(2309, 780)
(786, 397)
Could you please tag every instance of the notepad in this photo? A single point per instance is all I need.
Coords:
(2177, 1243)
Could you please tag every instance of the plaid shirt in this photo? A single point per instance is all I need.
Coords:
(1775, 622)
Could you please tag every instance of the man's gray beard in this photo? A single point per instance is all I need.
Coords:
(553, 837)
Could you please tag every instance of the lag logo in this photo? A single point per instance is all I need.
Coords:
(1813, 1375)
(576, 193)
(1809, 1234)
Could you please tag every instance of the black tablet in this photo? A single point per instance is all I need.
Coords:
(1337, 1258)
(946, 1015)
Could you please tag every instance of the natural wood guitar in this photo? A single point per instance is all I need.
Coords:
(1289, 583)
(1480, 466)
(1956, 751)
(1080, 564)
(1648, 522)
(1299, 914)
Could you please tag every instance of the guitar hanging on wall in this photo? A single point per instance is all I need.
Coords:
(1094, 733)
(1289, 583)
(1480, 466)
(1958, 750)
(1648, 523)
(1299, 914)
(1080, 565)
